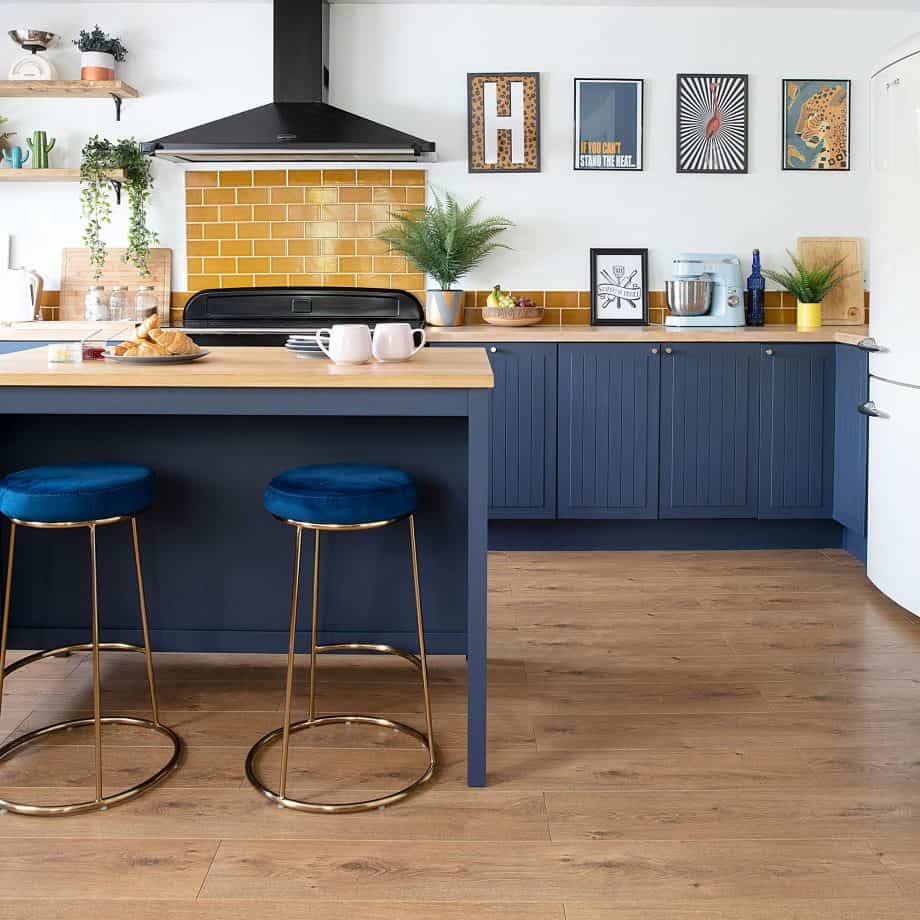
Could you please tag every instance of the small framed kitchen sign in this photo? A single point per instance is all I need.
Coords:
(619, 287)
(503, 113)
(608, 124)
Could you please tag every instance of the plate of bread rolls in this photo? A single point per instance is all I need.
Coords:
(153, 345)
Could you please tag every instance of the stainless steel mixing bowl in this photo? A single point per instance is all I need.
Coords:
(689, 296)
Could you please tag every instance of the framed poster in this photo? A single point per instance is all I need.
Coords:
(619, 287)
(608, 124)
(503, 116)
(712, 123)
(816, 125)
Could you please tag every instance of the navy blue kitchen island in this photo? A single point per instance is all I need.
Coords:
(217, 566)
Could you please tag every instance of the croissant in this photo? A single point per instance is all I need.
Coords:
(143, 331)
(174, 341)
(150, 349)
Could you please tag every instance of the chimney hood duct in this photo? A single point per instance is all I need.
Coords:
(299, 125)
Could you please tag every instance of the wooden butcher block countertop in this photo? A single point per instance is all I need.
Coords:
(432, 368)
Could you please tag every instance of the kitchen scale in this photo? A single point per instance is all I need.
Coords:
(32, 66)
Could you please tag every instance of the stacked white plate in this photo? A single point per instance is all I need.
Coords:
(304, 346)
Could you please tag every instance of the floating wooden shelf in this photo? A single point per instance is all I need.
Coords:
(51, 175)
(66, 89)
(115, 176)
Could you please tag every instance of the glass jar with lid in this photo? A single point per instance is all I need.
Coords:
(145, 303)
(118, 303)
(95, 308)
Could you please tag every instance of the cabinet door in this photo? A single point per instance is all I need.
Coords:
(851, 438)
(522, 457)
(796, 431)
(709, 430)
(608, 431)
(522, 480)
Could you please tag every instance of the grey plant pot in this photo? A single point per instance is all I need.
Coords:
(445, 308)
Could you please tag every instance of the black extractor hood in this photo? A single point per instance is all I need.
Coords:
(299, 125)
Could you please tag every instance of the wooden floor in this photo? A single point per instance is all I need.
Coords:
(715, 736)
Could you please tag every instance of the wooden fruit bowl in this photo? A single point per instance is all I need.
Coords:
(512, 316)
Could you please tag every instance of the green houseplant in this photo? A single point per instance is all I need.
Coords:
(809, 284)
(445, 241)
(99, 158)
(98, 54)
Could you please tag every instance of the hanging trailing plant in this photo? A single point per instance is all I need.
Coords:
(100, 156)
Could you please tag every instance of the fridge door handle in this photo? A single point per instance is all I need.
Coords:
(869, 344)
(869, 408)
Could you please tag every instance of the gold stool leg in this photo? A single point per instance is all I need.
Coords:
(97, 688)
(142, 597)
(313, 722)
(313, 661)
(289, 685)
(100, 801)
(421, 638)
(7, 590)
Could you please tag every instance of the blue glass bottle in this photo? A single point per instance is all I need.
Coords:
(754, 312)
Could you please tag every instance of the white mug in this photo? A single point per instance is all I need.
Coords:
(396, 341)
(349, 344)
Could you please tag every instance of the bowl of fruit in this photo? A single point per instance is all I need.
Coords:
(502, 309)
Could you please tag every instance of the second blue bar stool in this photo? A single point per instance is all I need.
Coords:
(85, 495)
(342, 497)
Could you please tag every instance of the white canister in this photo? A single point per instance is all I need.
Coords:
(349, 344)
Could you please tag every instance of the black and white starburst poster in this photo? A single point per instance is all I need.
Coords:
(712, 123)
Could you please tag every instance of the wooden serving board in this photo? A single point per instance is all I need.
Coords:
(77, 276)
(845, 305)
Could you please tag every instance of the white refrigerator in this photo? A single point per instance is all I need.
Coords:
(893, 549)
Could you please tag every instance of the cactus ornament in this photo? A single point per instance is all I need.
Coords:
(14, 157)
(40, 146)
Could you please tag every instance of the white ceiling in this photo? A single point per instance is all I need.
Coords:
(913, 5)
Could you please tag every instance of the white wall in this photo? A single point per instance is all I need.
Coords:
(406, 65)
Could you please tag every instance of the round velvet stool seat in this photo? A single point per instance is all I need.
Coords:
(88, 495)
(342, 497)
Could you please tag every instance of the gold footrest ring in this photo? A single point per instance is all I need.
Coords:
(64, 649)
(376, 648)
(339, 807)
(106, 801)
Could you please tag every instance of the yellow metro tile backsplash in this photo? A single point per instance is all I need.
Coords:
(298, 227)
(317, 227)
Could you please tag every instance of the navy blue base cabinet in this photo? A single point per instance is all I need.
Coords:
(851, 439)
(796, 431)
(709, 430)
(522, 416)
(608, 430)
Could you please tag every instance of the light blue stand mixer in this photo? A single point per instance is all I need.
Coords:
(707, 290)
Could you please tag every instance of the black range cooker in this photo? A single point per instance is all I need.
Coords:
(267, 316)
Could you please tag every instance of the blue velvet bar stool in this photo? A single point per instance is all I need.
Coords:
(86, 495)
(342, 497)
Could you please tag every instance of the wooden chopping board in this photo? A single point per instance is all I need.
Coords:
(845, 305)
(77, 276)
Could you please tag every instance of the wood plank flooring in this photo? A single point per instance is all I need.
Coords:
(673, 736)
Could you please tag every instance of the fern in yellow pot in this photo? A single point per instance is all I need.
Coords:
(809, 284)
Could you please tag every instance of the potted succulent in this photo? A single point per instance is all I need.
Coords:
(445, 241)
(98, 54)
(810, 284)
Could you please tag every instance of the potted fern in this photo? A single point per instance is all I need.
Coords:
(810, 284)
(446, 242)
